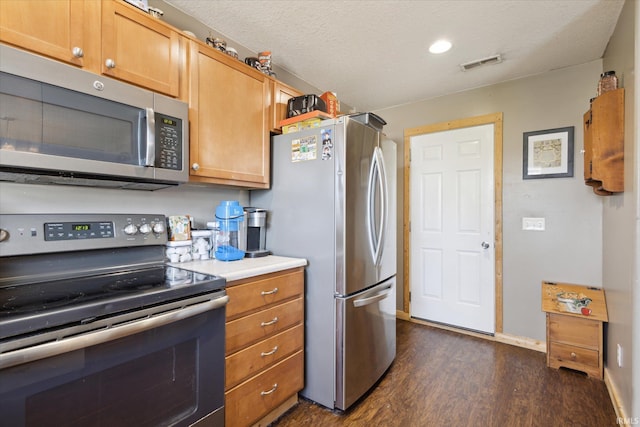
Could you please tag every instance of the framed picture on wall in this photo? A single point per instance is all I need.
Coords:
(548, 153)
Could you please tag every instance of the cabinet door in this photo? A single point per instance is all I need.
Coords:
(588, 147)
(229, 112)
(51, 28)
(281, 95)
(604, 143)
(139, 49)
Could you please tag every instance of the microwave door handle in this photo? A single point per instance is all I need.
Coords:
(150, 143)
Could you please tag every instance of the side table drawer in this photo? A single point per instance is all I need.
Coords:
(574, 330)
(565, 353)
(263, 324)
(255, 398)
(251, 360)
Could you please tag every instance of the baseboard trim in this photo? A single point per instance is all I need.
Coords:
(517, 341)
(524, 342)
(618, 406)
(402, 315)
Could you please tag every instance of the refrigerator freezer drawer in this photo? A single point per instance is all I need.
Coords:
(367, 335)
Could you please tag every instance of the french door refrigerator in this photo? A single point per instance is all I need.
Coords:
(333, 202)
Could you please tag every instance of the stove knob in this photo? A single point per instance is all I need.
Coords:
(145, 229)
(130, 229)
(158, 228)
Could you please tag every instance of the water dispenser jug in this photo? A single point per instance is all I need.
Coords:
(231, 239)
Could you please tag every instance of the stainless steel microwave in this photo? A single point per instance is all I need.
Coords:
(63, 125)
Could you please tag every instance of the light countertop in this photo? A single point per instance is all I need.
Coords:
(241, 269)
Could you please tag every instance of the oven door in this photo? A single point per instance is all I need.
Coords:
(158, 372)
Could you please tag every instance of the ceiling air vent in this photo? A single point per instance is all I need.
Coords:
(495, 59)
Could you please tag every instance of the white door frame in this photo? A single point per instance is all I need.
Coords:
(496, 120)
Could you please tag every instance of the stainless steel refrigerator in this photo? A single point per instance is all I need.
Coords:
(333, 201)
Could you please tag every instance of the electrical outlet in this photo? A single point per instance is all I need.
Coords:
(619, 356)
(533, 224)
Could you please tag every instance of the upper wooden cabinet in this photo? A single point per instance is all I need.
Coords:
(139, 49)
(107, 37)
(604, 143)
(281, 94)
(56, 29)
(229, 120)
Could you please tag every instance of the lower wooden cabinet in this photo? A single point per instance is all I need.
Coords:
(575, 337)
(575, 343)
(264, 368)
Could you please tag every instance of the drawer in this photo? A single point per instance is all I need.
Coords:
(255, 398)
(574, 330)
(571, 356)
(263, 324)
(258, 294)
(248, 362)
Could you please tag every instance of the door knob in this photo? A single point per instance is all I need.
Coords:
(485, 245)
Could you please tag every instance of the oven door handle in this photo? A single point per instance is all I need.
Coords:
(91, 338)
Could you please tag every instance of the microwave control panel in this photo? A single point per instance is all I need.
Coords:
(168, 142)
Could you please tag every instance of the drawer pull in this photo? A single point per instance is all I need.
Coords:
(264, 393)
(270, 322)
(274, 291)
(573, 355)
(269, 353)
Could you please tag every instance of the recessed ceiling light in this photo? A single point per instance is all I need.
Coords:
(441, 46)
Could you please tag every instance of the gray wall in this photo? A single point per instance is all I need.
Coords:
(570, 250)
(199, 201)
(620, 215)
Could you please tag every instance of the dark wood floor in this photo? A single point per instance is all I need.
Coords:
(442, 378)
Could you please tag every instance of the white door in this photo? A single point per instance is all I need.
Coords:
(452, 252)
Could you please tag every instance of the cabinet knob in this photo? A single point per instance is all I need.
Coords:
(195, 166)
(573, 355)
(77, 52)
(110, 63)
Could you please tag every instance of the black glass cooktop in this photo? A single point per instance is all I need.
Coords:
(33, 307)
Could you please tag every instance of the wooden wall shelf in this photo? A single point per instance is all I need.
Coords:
(604, 143)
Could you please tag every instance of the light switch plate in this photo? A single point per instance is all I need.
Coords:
(533, 224)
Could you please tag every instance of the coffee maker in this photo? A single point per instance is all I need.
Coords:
(256, 223)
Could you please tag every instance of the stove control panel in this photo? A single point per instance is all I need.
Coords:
(78, 230)
(23, 234)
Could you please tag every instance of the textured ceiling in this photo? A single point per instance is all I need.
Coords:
(374, 53)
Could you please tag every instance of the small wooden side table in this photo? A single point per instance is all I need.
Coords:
(575, 331)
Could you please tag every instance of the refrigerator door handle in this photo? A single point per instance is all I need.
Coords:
(377, 177)
(366, 301)
(384, 191)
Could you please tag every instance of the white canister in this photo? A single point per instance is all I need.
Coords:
(179, 251)
(202, 245)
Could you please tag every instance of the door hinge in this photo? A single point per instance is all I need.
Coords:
(409, 296)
